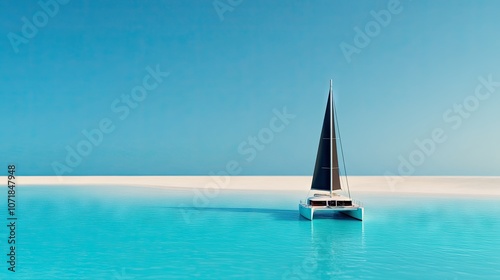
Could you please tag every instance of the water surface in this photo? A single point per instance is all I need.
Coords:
(93, 232)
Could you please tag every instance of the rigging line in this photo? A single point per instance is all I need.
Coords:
(307, 196)
(341, 149)
(331, 137)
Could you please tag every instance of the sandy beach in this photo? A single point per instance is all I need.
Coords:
(415, 184)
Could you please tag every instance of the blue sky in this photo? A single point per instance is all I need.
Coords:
(230, 70)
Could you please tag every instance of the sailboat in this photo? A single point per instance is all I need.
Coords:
(326, 177)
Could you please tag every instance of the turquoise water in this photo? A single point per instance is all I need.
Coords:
(142, 233)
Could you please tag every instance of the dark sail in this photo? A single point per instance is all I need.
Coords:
(327, 154)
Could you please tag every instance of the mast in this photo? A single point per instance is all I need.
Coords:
(331, 138)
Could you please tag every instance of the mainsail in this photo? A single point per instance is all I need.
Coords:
(326, 171)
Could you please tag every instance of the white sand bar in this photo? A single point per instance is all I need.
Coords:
(411, 184)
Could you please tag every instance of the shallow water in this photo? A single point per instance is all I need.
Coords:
(92, 232)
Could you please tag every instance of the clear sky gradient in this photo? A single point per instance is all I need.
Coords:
(233, 69)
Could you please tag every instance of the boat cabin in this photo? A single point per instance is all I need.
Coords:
(335, 201)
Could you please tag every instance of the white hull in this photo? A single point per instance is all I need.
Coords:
(307, 211)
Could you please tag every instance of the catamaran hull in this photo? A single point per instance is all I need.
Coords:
(356, 214)
(307, 212)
